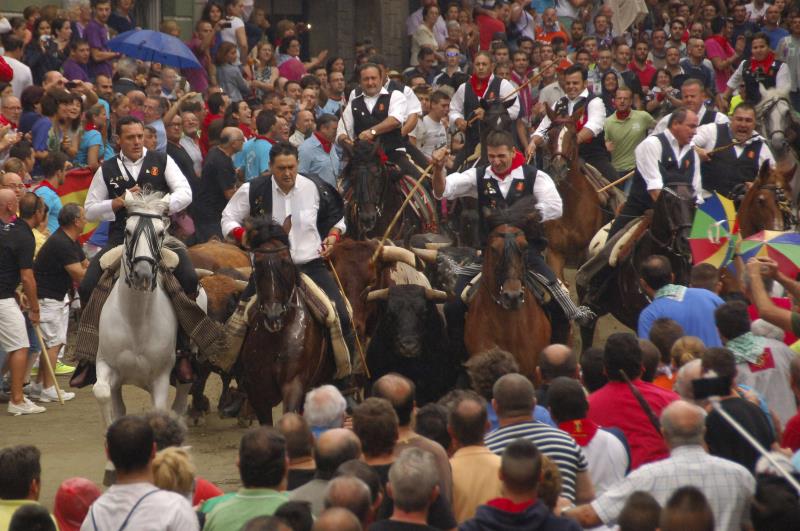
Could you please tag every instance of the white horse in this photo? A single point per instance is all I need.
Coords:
(138, 326)
(776, 120)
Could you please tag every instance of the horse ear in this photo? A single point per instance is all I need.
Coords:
(165, 200)
(484, 105)
(287, 224)
(763, 172)
(550, 113)
(577, 115)
(508, 103)
(128, 196)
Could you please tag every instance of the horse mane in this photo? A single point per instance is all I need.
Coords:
(263, 229)
(148, 201)
(773, 93)
(523, 214)
(363, 151)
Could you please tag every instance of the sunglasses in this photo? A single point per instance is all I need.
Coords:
(452, 54)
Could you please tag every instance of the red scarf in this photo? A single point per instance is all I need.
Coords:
(765, 64)
(45, 184)
(248, 133)
(326, 144)
(583, 430)
(268, 139)
(623, 115)
(516, 162)
(90, 126)
(479, 86)
(508, 506)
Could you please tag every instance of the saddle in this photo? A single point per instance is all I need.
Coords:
(612, 198)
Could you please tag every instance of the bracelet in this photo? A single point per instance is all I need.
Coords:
(237, 233)
(336, 235)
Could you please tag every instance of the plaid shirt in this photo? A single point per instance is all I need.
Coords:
(727, 486)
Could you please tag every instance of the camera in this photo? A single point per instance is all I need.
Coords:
(707, 387)
(226, 24)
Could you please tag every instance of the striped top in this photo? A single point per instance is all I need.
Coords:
(552, 442)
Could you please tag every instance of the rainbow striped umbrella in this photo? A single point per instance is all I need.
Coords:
(714, 232)
(783, 247)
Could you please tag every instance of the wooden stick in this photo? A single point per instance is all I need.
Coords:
(46, 357)
(620, 180)
(352, 324)
(400, 211)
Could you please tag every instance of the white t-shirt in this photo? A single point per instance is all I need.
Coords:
(608, 460)
(229, 35)
(565, 9)
(430, 134)
(22, 75)
(755, 14)
(161, 511)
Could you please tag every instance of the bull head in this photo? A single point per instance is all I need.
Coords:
(426, 255)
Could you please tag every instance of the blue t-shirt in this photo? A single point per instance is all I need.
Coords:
(695, 314)
(253, 158)
(539, 413)
(53, 202)
(89, 139)
(39, 135)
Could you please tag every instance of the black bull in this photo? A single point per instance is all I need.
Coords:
(410, 339)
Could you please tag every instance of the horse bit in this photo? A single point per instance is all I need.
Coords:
(154, 241)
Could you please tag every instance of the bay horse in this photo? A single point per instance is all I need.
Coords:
(668, 235)
(138, 326)
(569, 236)
(765, 206)
(778, 123)
(284, 353)
(504, 313)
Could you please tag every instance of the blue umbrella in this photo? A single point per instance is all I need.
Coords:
(154, 46)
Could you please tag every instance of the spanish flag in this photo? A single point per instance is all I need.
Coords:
(74, 190)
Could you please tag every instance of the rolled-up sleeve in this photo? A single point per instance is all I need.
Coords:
(180, 191)
(413, 106)
(506, 88)
(548, 200)
(345, 126)
(597, 116)
(97, 204)
(705, 137)
(457, 104)
(648, 153)
(397, 106)
(237, 209)
(460, 185)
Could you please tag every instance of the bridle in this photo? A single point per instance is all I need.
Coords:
(276, 278)
(510, 248)
(763, 113)
(782, 202)
(675, 229)
(154, 242)
(363, 187)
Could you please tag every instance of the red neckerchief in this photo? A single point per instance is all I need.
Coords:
(6, 121)
(582, 430)
(623, 115)
(248, 133)
(90, 126)
(268, 139)
(479, 86)
(326, 144)
(516, 162)
(45, 184)
(764, 64)
(508, 506)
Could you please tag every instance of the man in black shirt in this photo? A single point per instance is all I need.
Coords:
(217, 185)
(17, 246)
(59, 265)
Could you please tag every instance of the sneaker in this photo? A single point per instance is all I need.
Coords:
(26, 407)
(50, 395)
(35, 371)
(62, 369)
(33, 391)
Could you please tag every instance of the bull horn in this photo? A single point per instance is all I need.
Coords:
(426, 255)
(437, 245)
(241, 285)
(435, 295)
(378, 295)
(398, 254)
(203, 273)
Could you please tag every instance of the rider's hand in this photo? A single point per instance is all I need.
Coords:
(461, 124)
(702, 153)
(530, 151)
(439, 157)
(609, 146)
(327, 245)
(366, 135)
(479, 113)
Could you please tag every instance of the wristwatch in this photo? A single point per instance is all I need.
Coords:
(373, 132)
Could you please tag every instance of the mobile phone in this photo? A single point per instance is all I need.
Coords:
(71, 84)
(706, 387)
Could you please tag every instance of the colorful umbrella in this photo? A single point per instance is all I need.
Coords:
(783, 247)
(714, 231)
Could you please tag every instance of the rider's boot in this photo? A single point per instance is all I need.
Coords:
(84, 375)
(183, 360)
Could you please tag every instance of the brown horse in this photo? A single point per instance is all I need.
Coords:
(504, 313)
(284, 353)
(766, 204)
(569, 236)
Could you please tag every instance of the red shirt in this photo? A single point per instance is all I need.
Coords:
(487, 27)
(614, 405)
(781, 302)
(645, 74)
(791, 434)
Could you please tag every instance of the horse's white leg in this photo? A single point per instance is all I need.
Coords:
(117, 403)
(181, 398)
(102, 391)
(159, 391)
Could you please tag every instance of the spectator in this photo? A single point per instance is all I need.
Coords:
(94, 147)
(229, 75)
(21, 471)
(297, 515)
(174, 471)
(554, 361)
(625, 129)
(605, 449)
(690, 307)
(332, 448)
(687, 509)
(97, 36)
(337, 519)
(360, 470)
(190, 140)
(775, 505)
(791, 432)
(641, 65)
(317, 154)
(351, 493)
(266, 523)
(303, 127)
(12, 54)
(72, 502)
(153, 114)
(41, 53)
(217, 185)
(785, 52)
(121, 20)
(424, 37)
(415, 20)
(31, 518)
(262, 468)
(593, 374)
(663, 334)
(513, 400)
(265, 73)
(641, 513)
(54, 168)
(299, 445)
(430, 132)
(431, 421)
(616, 405)
(133, 499)
(253, 159)
(518, 508)
(77, 66)
(324, 409)
(176, 150)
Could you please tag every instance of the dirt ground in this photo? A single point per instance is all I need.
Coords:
(70, 437)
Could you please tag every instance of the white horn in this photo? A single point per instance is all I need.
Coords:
(427, 255)
(378, 295)
(203, 273)
(398, 254)
(241, 285)
(435, 295)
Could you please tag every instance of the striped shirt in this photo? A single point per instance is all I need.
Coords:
(552, 442)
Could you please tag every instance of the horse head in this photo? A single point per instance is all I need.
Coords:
(776, 119)
(496, 117)
(765, 205)
(145, 229)
(368, 179)
(506, 248)
(672, 219)
(562, 143)
(274, 273)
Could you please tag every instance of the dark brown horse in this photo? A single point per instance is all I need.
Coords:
(668, 234)
(568, 237)
(504, 313)
(284, 353)
(766, 205)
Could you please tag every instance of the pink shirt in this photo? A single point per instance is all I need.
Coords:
(724, 51)
(614, 405)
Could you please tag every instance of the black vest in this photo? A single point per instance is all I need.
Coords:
(472, 102)
(709, 117)
(490, 197)
(598, 143)
(331, 205)
(752, 91)
(725, 170)
(118, 182)
(671, 170)
(363, 120)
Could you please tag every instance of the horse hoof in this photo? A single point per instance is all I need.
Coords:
(196, 419)
(244, 422)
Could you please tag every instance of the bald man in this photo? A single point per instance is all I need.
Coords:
(337, 519)
(351, 493)
(555, 360)
(217, 185)
(727, 486)
(299, 444)
(13, 181)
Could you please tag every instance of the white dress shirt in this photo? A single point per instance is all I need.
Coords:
(648, 156)
(302, 203)
(397, 110)
(706, 138)
(661, 126)
(548, 200)
(457, 101)
(782, 79)
(413, 106)
(595, 114)
(98, 203)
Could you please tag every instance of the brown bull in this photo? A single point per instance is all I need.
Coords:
(215, 255)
